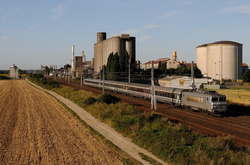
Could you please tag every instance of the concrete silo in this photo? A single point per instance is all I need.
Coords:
(201, 59)
(220, 60)
(117, 44)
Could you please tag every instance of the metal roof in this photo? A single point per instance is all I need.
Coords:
(221, 43)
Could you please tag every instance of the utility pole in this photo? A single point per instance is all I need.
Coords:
(64, 72)
(192, 75)
(129, 69)
(81, 78)
(103, 79)
(68, 75)
(153, 99)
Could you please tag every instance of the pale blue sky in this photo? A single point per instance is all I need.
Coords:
(34, 33)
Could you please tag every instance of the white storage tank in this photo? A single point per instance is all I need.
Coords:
(220, 60)
(201, 59)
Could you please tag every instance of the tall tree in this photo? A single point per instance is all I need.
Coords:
(162, 66)
(124, 65)
(197, 72)
(246, 76)
(110, 62)
(113, 66)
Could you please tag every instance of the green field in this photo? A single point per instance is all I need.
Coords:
(7, 75)
(239, 96)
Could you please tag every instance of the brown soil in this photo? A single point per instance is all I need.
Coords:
(36, 129)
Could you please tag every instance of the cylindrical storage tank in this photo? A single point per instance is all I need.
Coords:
(231, 63)
(98, 56)
(130, 47)
(223, 60)
(101, 36)
(116, 45)
(228, 60)
(213, 61)
(201, 59)
(109, 46)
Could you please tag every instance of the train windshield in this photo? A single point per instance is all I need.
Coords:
(215, 99)
(222, 98)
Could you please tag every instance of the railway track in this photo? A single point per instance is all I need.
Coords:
(236, 126)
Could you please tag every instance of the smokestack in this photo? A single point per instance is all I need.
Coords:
(174, 56)
(73, 56)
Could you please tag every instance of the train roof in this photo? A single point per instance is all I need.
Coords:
(205, 93)
(143, 86)
(121, 83)
(170, 90)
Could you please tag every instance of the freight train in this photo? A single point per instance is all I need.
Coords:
(209, 102)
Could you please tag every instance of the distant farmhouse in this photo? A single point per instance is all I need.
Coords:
(170, 63)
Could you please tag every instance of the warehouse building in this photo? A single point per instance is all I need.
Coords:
(182, 82)
(220, 60)
(117, 44)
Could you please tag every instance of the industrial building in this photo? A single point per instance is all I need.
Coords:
(220, 60)
(182, 82)
(14, 71)
(79, 64)
(117, 44)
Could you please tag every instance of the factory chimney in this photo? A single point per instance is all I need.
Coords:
(174, 55)
(83, 56)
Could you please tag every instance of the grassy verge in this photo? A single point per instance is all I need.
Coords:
(172, 142)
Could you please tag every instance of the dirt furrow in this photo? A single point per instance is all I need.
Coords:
(36, 129)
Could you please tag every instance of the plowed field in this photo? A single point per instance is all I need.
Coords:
(36, 129)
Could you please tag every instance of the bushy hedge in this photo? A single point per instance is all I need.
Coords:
(48, 83)
(89, 101)
(105, 98)
(108, 99)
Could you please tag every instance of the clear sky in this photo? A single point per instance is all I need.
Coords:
(41, 32)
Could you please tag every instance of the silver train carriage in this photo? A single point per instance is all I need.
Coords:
(209, 102)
